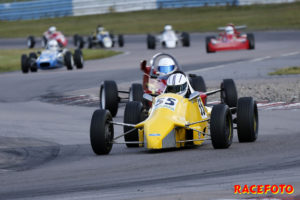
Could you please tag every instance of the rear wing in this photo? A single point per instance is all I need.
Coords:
(235, 27)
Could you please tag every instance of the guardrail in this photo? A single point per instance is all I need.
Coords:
(36, 9)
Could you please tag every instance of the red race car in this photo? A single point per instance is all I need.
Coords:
(162, 65)
(230, 39)
(50, 34)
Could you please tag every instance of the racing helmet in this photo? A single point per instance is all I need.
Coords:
(100, 28)
(168, 27)
(52, 29)
(229, 30)
(166, 66)
(52, 45)
(177, 83)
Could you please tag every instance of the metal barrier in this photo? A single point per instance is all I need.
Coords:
(35, 9)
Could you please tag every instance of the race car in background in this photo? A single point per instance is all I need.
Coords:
(52, 57)
(177, 120)
(230, 39)
(100, 38)
(50, 34)
(168, 39)
(162, 65)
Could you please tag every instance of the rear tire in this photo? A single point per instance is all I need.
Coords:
(109, 97)
(133, 114)
(69, 60)
(251, 40)
(221, 127)
(90, 42)
(32, 62)
(101, 132)
(247, 120)
(136, 92)
(198, 84)
(30, 42)
(78, 59)
(75, 39)
(185, 39)
(121, 40)
(229, 93)
(151, 41)
(44, 42)
(24, 64)
(80, 42)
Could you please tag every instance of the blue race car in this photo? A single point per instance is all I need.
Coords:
(51, 58)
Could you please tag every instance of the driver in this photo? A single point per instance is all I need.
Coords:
(229, 30)
(53, 45)
(177, 83)
(52, 30)
(100, 29)
(168, 28)
(166, 66)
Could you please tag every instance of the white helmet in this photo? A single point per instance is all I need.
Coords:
(177, 83)
(168, 27)
(52, 45)
(166, 66)
(52, 29)
(229, 30)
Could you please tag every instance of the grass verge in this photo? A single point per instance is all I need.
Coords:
(286, 71)
(11, 59)
(256, 17)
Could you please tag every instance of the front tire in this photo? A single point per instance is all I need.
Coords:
(136, 92)
(151, 41)
(133, 114)
(221, 126)
(32, 62)
(24, 64)
(78, 59)
(30, 42)
(251, 40)
(208, 41)
(121, 40)
(198, 83)
(247, 120)
(69, 60)
(101, 132)
(109, 97)
(185, 39)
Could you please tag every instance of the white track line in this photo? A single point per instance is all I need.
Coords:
(260, 59)
(290, 54)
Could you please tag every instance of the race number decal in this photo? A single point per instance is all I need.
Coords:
(201, 108)
(169, 103)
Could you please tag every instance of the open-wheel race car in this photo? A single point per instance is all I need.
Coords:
(50, 34)
(179, 118)
(100, 38)
(168, 39)
(162, 65)
(230, 39)
(50, 58)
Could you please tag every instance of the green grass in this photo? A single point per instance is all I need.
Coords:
(286, 71)
(256, 17)
(11, 59)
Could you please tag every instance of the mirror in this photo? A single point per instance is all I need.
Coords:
(143, 65)
(194, 95)
(148, 97)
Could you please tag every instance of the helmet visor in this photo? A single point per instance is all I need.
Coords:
(166, 69)
(176, 88)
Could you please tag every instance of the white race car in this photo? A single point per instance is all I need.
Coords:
(168, 39)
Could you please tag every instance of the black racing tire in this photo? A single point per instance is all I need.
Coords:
(121, 40)
(44, 42)
(228, 93)
(78, 59)
(198, 83)
(90, 42)
(75, 39)
(24, 64)
(185, 39)
(69, 60)
(250, 37)
(136, 92)
(221, 126)
(80, 42)
(30, 42)
(133, 114)
(101, 132)
(109, 97)
(247, 120)
(151, 41)
(207, 41)
(32, 62)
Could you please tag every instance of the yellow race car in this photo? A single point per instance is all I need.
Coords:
(176, 121)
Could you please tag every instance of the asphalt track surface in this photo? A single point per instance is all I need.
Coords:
(45, 151)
